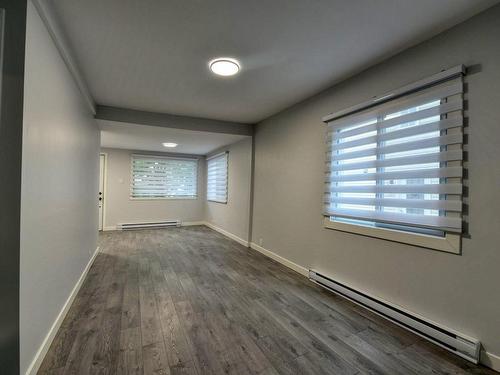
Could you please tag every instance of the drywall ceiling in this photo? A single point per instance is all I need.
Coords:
(150, 138)
(152, 55)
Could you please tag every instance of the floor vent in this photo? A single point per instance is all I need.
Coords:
(149, 225)
(463, 346)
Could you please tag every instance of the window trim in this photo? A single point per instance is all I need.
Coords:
(214, 201)
(187, 197)
(450, 243)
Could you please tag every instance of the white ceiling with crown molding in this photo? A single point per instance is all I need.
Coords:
(150, 138)
(153, 55)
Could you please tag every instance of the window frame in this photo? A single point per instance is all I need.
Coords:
(212, 157)
(131, 176)
(450, 241)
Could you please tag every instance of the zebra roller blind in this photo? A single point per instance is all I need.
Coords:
(163, 177)
(217, 178)
(400, 162)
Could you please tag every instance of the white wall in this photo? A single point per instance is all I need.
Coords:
(461, 292)
(119, 208)
(234, 216)
(59, 188)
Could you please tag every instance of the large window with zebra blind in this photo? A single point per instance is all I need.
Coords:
(217, 177)
(394, 165)
(161, 177)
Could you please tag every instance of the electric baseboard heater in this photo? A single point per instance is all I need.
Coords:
(455, 342)
(149, 225)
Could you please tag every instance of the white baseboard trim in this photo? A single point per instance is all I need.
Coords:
(294, 266)
(490, 360)
(183, 224)
(288, 263)
(44, 348)
(191, 223)
(227, 234)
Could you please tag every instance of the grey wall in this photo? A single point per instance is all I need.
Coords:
(11, 127)
(233, 216)
(461, 292)
(59, 188)
(119, 208)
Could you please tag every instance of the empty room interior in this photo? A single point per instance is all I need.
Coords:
(250, 187)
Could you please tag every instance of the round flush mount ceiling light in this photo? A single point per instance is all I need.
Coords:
(224, 66)
(169, 144)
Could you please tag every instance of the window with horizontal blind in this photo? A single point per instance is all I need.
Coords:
(217, 178)
(156, 177)
(398, 165)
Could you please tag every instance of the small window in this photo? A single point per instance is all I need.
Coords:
(398, 165)
(157, 177)
(217, 177)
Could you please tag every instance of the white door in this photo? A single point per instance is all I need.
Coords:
(102, 172)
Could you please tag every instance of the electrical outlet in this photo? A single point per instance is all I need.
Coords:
(260, 241)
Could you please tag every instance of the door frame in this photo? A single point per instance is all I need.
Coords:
(104, 189)
(12, 79)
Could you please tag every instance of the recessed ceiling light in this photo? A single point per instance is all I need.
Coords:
(224, 66)
(169, 144)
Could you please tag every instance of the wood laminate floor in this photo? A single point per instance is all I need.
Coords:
(190, 301)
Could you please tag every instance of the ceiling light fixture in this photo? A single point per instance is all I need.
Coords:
(169, 144)
(224, 66)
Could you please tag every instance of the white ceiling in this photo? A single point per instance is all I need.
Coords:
(150, 138)
(152, 55)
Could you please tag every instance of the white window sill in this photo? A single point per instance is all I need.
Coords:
(451, 243)
(214, 201)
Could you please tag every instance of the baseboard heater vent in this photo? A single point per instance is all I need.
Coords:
(149, 225)
(463, 346)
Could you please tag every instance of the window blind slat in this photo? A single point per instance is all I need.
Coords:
(405, 146)
(445, 172)
(450, 188)
(434, 157)
(398, 134)
(432, 204)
